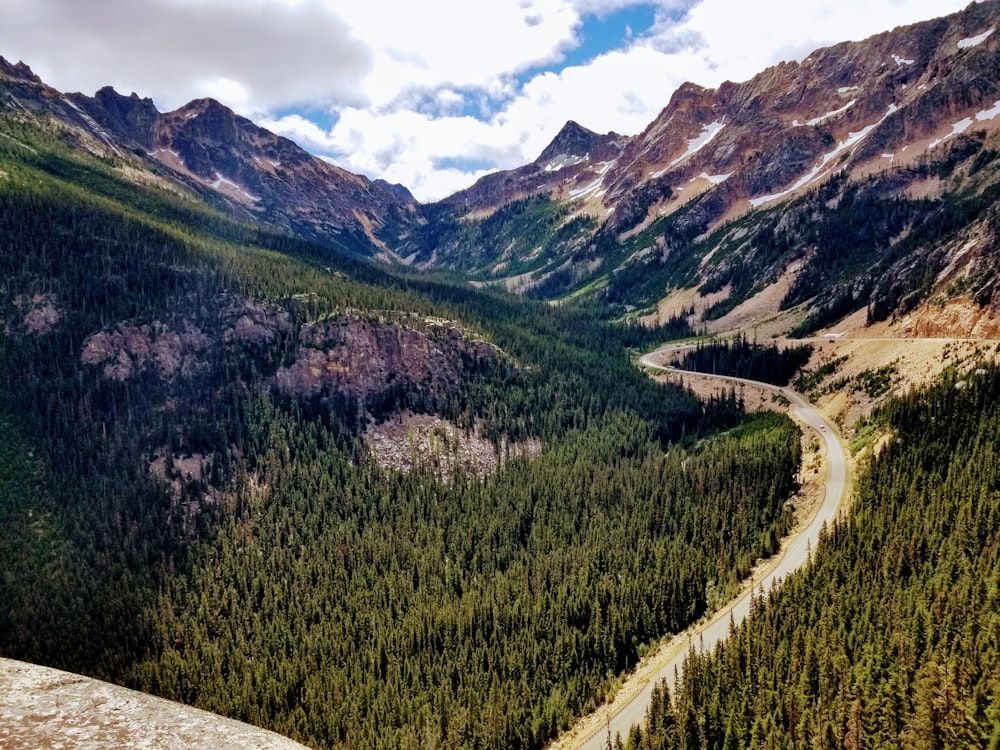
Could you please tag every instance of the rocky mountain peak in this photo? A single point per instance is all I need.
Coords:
(575, 144)
(208, 108)
(572, 140)
(18, 70)
(395, 188)
(127, 113)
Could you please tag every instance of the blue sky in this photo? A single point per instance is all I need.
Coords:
(599, 33)
(434, 94)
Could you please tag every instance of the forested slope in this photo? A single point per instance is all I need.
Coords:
(175, 516)
(891, 639)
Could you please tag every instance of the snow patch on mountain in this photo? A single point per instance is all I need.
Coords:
(715, 179)
(564, 160)
(989, 114)
(820, 169)
(228, 186)
(974, 41)
(708, 133)
(830, 115)
(961, 126)
(593, 187)
(956, 128)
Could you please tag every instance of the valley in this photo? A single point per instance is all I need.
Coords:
(921, 362)
(280, 443)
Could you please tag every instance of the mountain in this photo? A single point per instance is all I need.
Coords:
(730, 188)
(861, 179)
(206, 148)
(561, 166)
(244, 468)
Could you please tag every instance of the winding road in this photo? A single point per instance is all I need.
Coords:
(619, 716)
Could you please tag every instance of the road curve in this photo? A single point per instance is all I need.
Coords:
(619, 717)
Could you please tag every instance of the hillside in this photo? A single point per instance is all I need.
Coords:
(890, 638)
(279, 443)
(862, 178)
(197, 501)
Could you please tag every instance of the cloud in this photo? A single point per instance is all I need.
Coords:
(428, 93)
(734, 40)
(622, 90)
(254, 54)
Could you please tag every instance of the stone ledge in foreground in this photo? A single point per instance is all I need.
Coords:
(47, 708)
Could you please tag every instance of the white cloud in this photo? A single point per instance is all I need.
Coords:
(266, 52)
(419, 90)
(739, 39)
(622, 90)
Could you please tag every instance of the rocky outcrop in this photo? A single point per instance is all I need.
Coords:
(379, 365)
(254, 323)
(426, 442)
(128, 351)
(42, 707)
(18, 71)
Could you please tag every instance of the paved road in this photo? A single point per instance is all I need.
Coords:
(793, 554)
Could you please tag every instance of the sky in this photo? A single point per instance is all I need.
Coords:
(431, 94)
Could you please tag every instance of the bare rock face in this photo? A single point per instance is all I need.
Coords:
(128, 351)
(37, 314)
(254, 323)
(422, 441)
(47, 708)
(365, 359)
(19, 71)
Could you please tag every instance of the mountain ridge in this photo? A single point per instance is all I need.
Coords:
(908, 116)
(207, 147)
(624, 222)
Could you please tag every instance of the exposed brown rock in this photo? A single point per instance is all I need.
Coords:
(254, 323)
(959, 318)
(40, 312)
(412, 441)
(361, 357)
(129, 350)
